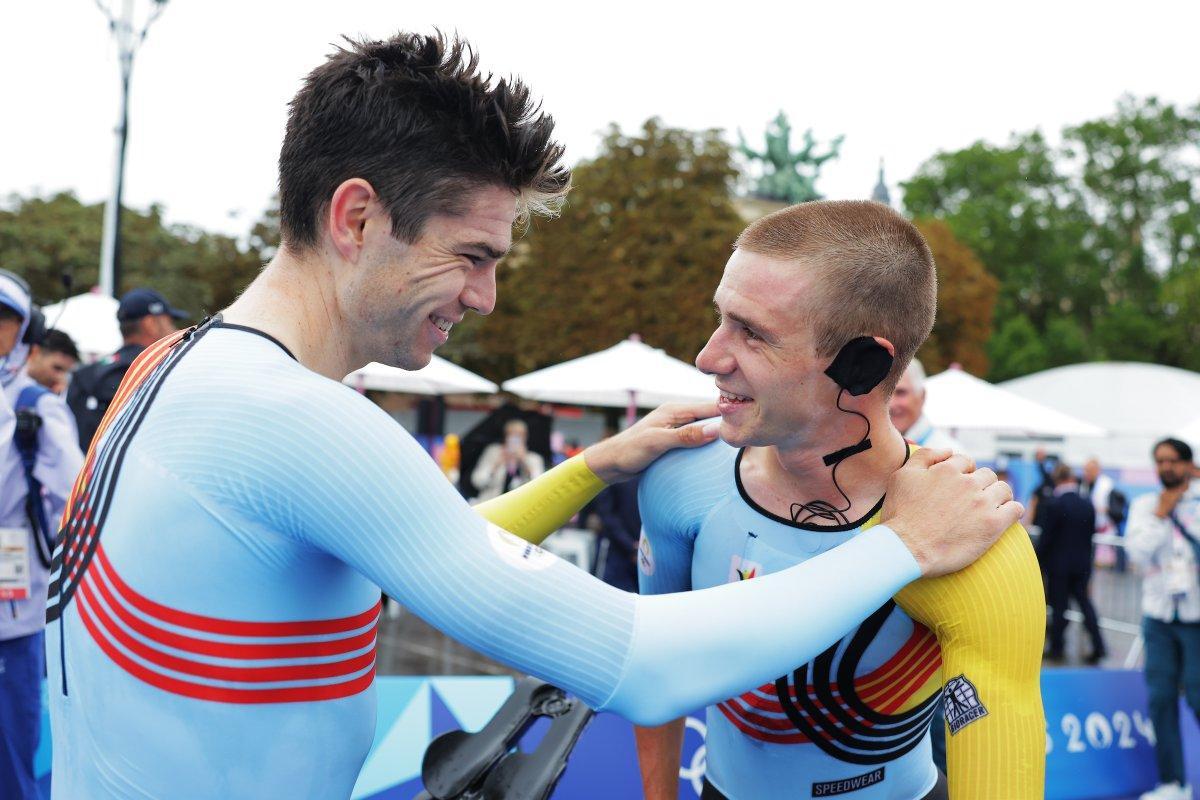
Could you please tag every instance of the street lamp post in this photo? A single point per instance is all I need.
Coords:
(128, 41)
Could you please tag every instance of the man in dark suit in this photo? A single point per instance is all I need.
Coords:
(1065, 553)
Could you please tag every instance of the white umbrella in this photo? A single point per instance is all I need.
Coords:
(438, 377)
(90, 320)
(959, 401)
(629, 373)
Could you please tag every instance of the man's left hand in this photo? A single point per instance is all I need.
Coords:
(669, 426)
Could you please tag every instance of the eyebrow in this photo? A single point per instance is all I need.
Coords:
(485, 248)
(759, 328)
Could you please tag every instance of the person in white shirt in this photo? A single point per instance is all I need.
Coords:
(503, 466)
(1163, 538)
(26, 530)
(907, 410)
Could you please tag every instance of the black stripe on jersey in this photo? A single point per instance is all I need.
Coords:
(835, 728)
(100, 491)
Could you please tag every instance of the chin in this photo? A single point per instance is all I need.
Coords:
(407, 359)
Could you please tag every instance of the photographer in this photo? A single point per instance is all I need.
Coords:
(508, 464)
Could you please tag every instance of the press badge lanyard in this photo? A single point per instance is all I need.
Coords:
(1182, 576)
(14, 566)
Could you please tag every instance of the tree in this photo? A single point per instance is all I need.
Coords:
(1016, 349)
(640, 248)
(1142, 176)
(965, 303)
(43, 238)
(1021, 216)
(1096, 244)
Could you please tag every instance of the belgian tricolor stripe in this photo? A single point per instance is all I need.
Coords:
(851, 718)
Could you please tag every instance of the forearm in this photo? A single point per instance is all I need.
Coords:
(542, 506)
(693, 627)
(659, 750)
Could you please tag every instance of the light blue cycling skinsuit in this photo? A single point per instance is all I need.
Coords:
(852, 723)
(216, 588)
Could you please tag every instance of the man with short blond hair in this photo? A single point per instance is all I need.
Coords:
(821, 307)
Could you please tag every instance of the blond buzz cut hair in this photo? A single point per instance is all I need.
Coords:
(874, 273)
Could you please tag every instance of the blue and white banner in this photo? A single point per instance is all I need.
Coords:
(1099, 740)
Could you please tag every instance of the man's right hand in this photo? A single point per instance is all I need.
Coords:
(1168, 499)
(947, 512)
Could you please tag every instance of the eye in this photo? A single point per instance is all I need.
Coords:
(750, 334)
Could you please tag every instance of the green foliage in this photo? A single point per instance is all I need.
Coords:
(1016, 349)
(639, 249)
(41, 238)
(1095, 243)
(966, 300)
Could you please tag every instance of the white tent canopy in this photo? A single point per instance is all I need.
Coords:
(90, 320)
(629, 371)
(1149, 400)
(1190, 433)
(960, 401)
(438, 377)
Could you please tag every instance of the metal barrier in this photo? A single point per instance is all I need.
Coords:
(1116, 592)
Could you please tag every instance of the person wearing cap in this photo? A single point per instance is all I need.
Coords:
(145, 316)
(30, 499)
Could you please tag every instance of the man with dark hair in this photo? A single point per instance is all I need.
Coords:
(1064, 551)
(820, 309)
(145, 316)
(1163, 538)
(51, 362)
(219, 569)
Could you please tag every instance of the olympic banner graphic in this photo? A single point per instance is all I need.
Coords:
(1099, 740)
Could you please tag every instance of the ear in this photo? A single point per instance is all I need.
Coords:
(354, 201)
(886, 345)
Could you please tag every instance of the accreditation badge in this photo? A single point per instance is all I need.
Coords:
(14, 564)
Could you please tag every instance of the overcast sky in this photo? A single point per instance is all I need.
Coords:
(900, 80)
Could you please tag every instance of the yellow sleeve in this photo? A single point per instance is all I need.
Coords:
(542, 506)
(990, 621)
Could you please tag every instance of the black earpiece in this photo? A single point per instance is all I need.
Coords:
(860, 365)
(35, 331)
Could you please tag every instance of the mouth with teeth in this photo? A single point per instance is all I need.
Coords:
(728, 402)
(442, 326)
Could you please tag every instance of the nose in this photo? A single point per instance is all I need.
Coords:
(715, 358)
(479, 293)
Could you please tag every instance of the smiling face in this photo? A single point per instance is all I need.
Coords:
(773, 387)
(906, 403)
(406, 297)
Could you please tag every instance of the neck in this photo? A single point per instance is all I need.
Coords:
(294, 300)
(796, 473)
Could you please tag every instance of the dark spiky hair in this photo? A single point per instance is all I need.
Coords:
(413, 116)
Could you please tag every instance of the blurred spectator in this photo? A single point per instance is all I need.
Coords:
(615, 518)
(1042, 495)
(145, 316)
(40, 459)
(907, 409)
(1098, 488)
(508, 464)
(558, 448)
(52, 360)
(1162, 538)
(1064, 551)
